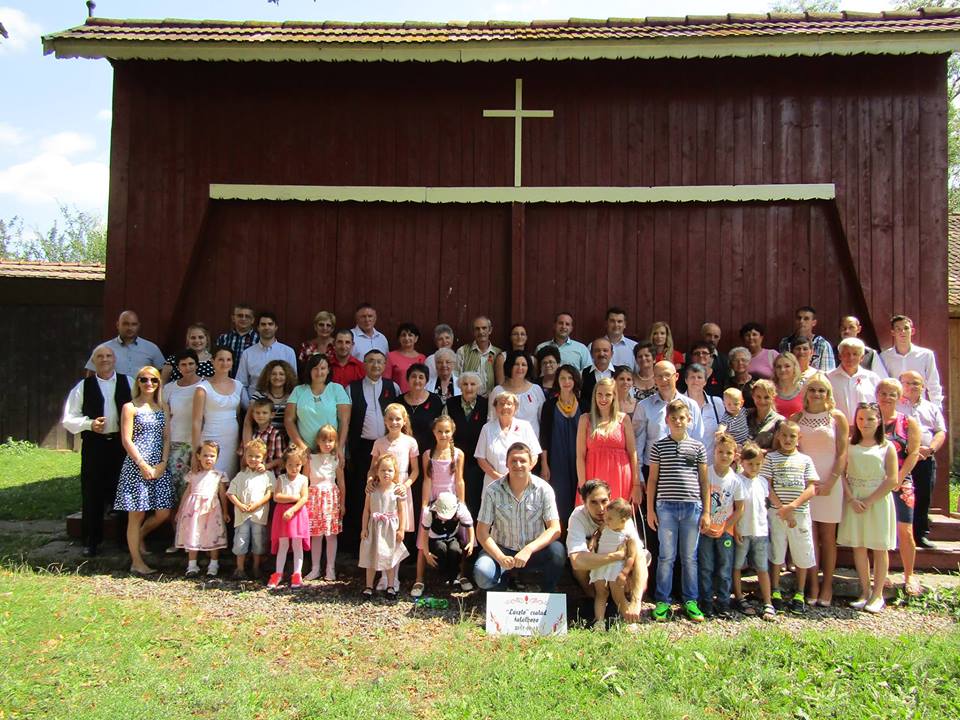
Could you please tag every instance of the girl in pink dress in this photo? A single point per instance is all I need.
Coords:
(325, 501)
(606, 448)
(204, 512)
(381, 539)
(291, 524)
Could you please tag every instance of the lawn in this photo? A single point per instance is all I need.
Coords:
(69, 650)
(37, 484)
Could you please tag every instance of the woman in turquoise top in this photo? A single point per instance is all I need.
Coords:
(316, 403)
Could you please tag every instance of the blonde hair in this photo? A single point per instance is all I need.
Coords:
(891, 383)
(599, 426)
(327, 432)
(733, 394)
(668, 343)
(792, 359)
(386, 458)
(767, 386)
(397, 407)
(152, 372)
(325, 315)
(258, 445)
(819, 377)
(506, 395)
(205, 330)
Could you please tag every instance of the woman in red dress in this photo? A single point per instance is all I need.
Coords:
(606, 448)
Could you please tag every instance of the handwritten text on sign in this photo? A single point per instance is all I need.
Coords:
(526, 613)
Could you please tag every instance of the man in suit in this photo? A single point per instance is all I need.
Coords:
(601, 352)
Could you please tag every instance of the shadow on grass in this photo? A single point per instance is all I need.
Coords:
(48, 499)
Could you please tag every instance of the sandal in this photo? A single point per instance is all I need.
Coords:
(415, 592)
(913, 587)
(463, 584)
(769, 613)
(392, 593)
(743, 607)
(367, 593)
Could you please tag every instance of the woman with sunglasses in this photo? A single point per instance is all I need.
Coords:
(145, 485)
(324, 323)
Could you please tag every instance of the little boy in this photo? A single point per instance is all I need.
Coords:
(250, 493)
(678, 509)
(791, 475)
(440, 525)
(734, 417)
(751, 532)
(261, 412)
(715, 550)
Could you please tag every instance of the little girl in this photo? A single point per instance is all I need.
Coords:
(204, 512)
(613, 537)
(325, 505)
(869, 518)
(442, 472)
(381, 539)
(399, 443)
(290, 520)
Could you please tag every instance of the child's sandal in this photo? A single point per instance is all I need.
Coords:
(769, 612)
(367, 593)
(415, 592)
(743, 607)
(391, 593)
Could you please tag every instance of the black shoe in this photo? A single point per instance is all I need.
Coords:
(89, 551)
(798, 606)
(926, 544)
(723, 612)
(707, 609)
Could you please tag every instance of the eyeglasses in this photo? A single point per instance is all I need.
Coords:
(148, 381)
(868, 405)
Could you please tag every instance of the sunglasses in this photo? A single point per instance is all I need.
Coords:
(148, 381)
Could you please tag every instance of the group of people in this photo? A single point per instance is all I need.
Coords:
(475, 461)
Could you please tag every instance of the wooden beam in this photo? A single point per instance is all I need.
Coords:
(518, 225)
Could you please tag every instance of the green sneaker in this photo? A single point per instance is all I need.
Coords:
(693, 611)
(777, 600)
(661, 612)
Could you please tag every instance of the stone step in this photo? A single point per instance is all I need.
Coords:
(945, 558)
(944, 527)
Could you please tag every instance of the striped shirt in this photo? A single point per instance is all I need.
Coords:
(737, 426)
(516, 523)
(789, 476)
(679, 461)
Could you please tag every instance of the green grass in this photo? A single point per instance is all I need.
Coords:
(67, 652)
(37, 484)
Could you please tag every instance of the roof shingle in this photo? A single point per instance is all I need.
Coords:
(51, 270)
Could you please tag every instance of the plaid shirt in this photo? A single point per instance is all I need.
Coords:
(516, 523)
(273, 439)
(237, 344)
(822, 358)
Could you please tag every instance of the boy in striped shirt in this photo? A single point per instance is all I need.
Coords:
(678, 508)
(791, 475)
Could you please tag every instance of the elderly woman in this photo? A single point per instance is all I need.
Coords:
(444, 382)
(761, 358)
(740, 376)
(643, 355)
(530, 397)
(401, 360)
(215, 406)
(789, 384)
(499, 434)
(548, 360)
(824, 437)
(442, 338)
(324, 323)
(802, 349)
(469, 412)
(518, 343)
(558, 438)
(315, 403)
(904, 433)
(422, 406)
(763, 420)
(198, 340)
(606, 445)
(711, 406)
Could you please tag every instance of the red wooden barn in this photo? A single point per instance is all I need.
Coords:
(721, 168)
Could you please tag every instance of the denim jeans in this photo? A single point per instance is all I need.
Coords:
(678, 529)
(548, 563)
(715, 557)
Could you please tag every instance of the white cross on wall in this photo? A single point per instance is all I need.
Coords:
(518, 113)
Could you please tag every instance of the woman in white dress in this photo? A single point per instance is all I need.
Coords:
(216, 405)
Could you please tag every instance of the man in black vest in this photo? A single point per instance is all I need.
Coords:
(601, 350)
(93, 410)
(368, 396)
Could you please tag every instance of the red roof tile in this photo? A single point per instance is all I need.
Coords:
(51, 270)
(953, 261)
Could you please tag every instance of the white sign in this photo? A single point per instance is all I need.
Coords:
(515, 613)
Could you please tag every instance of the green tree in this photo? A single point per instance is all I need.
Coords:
(802, 6)
(77, 236)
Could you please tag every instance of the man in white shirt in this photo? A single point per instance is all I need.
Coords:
(622, 346)
(571, 352)
(255, 357)
(366, 337)
(131, 351)
(852, 384)
(904, 355)
(93, 410)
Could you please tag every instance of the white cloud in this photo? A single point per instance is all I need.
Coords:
(67, 143)
(10, 136)
(49, 178)
(23, 32)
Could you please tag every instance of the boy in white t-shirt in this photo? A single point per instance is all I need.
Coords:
(250, 493)
(715, 549)
(751, 532)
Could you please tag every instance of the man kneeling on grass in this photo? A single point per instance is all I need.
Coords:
(517, 527)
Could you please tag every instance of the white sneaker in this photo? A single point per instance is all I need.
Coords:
(875, 607)
(213, 569)
(859, 604)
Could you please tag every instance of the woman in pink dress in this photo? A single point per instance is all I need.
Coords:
(399, 361)
(789, 384)
(824, 437)
(606, 448)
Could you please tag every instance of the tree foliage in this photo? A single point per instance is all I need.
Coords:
(77, 236)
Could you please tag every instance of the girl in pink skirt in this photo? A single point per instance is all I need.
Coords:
(204, 511)
(325, 503)
(291, 524)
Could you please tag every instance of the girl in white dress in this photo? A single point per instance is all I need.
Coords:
(381, 539)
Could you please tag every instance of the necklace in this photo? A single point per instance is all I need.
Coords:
(567, 408)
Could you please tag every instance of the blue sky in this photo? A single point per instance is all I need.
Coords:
(55, 114)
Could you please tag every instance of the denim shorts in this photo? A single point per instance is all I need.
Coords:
(248, 537)
(903, 504)
(752, 553)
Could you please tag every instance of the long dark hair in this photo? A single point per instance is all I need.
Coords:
(879, 436)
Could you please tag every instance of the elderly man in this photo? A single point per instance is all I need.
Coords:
(622, 345)
(518, 527)
(131, 351)
(479, 355)
(852, 383)
(904, 355)
(93, 410)
(345, 368)
(241, 336)
(933, 433)
(255, 357)
(710, 333)
(850, 327)
(366, 337)
(804, 322)
(601, 350)
(571, 352)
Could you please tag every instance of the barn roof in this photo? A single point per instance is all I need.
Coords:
(50, 270)
(953, 261)
(929, 30)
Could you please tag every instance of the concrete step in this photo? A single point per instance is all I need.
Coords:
(945, 558)
(944, 527)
